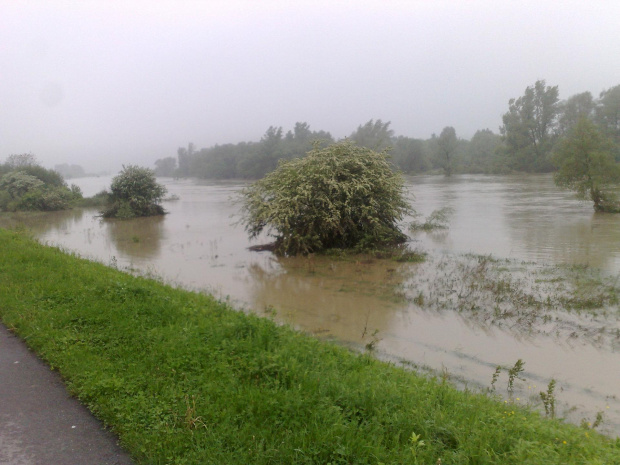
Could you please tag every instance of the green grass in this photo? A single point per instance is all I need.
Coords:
(184, 379)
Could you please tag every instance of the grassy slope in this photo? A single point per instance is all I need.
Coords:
(181, 378)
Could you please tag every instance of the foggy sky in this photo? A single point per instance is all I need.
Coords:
(100, 83)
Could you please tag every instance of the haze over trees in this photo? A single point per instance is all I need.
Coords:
(249, 160)
(533, 128)
(68, 171)
(166, 167)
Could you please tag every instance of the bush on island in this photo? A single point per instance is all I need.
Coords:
(342, 196)
(134, 192)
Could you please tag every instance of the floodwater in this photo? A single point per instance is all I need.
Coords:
(497, 285)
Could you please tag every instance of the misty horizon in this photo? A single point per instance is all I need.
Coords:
(101, 84)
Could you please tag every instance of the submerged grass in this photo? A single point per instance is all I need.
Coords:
(184, 379)
(527, 299)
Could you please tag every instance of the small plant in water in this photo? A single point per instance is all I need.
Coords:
(548, 399)
(585, 424)
(438, 219)
(270, 311)
(513, 373)
(374, 341)
(498, 370)
(410, 256)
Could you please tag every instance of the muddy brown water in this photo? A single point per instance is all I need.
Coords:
(419, 314)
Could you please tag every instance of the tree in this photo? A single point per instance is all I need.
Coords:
(21, 160)
(375, 135)
(135, 192)
(69, 171)
(186, 156)
(410, 155)
(264, 158)
(529, 128)
(607, 116)
(342, 196)
(446, 145)
(165, 166)
(587, 166)
(482, 152)
(573, 109)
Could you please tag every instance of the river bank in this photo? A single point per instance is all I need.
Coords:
(183, 378)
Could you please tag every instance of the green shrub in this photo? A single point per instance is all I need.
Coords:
(32, 187)
(49, 177)
(18, 183)
(100, 199)
(342, 196)
(5, 200)
(135, 192)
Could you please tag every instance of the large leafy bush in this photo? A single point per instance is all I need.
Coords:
(135, 192)
(36, 188)
(342, 196)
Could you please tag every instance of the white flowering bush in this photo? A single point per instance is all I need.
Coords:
(342, 196)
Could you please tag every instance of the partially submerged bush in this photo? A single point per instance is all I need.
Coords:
(135, 192)
(342, 196)
(35, 188)
(438, 219)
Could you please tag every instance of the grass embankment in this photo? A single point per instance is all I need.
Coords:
(182, 378)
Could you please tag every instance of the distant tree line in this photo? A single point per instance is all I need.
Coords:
(68, 171)
(533, 129)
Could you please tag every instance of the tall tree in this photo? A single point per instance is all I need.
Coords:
(586, 165)
(530, 126)
(375, 135)
(573, 109)
(607, 116)
(185, 156)
(482, 153)
(165, 166)
(410, 155)
(20, 160)
(446, 145)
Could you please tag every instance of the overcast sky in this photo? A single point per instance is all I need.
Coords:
(100, 83)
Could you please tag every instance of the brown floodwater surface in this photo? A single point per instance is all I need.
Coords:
(504, 282)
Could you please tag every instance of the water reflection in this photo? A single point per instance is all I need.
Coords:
(571, 306)
(42, 222)
(349, 300)
(559, 229)
(138, 237)
(521, 217)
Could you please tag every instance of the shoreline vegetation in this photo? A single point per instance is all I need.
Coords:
(183, 378)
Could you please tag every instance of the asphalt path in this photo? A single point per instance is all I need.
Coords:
(40, 423)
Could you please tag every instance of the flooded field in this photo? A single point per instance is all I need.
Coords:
(524, 272)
